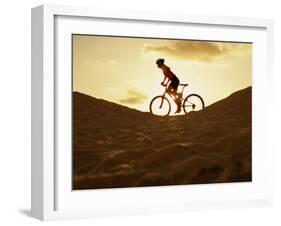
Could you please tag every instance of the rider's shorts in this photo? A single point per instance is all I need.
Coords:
(174, 82)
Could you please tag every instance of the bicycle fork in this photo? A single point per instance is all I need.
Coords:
(162, 99)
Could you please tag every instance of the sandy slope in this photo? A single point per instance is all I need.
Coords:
(115, 146)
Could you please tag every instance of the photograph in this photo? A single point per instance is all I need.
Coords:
(150, 111)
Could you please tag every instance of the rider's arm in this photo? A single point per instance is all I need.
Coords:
(164, 81)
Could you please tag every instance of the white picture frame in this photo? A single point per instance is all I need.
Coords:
(51, 197)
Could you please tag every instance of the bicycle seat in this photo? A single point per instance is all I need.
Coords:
(184, 84)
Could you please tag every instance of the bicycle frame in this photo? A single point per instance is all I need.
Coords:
(186, 102)
(166, 91)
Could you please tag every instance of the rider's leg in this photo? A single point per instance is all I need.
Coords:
(172, 92)
(174, 84)
(178, 103)
(177, 100)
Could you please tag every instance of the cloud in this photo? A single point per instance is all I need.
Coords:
(113, 62)
(110, 62)
(134, 97)
(201, 51)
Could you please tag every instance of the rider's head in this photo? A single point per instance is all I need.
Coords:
(160, 62)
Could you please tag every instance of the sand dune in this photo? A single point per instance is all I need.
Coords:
(115, 146)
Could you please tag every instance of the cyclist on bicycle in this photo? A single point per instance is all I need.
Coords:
(173, 81)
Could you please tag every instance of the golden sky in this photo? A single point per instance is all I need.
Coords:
(123, 70)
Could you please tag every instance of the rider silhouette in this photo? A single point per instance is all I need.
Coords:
(173, 81)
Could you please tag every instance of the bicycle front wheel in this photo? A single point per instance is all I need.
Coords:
(193, 102)
(160, 105)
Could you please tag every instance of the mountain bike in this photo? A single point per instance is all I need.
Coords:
(160, 105)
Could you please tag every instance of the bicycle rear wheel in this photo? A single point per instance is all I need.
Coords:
(160, 105)
(193, 102)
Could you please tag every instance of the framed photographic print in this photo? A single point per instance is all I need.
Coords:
(141, 112)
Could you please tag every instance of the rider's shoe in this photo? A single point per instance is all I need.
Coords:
(178, 102)
(178, 109)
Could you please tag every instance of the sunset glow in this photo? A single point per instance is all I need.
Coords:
(123, 70)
